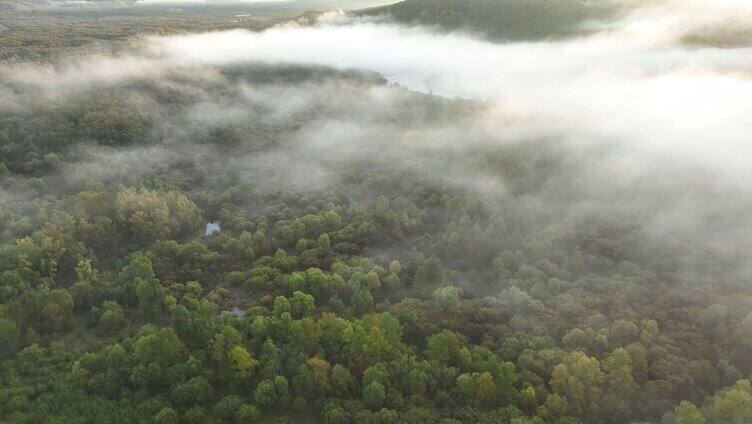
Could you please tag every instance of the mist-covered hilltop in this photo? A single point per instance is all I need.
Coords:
(218, 218)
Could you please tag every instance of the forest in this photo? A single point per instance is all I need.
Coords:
(501, 19)
(195, 233)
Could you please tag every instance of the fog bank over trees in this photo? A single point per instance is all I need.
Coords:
(414, 224)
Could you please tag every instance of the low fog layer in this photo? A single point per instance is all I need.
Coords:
(635, 82)
(665, 111)
(660, 118)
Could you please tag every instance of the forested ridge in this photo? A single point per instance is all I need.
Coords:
(381, 257)
(503, 19)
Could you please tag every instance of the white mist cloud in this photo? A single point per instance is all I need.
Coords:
(665, 106)
(670, 116)
(634, 84)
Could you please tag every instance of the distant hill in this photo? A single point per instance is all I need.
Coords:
(336, 4)
(501, 19)
(298, 5)
(37, 5)
(21, 5)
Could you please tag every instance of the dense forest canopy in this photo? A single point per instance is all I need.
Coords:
(342, 219)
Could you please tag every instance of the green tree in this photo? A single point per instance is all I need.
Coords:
(506, 374)
(579, 378)
(265, 394)
(10, 338)
(248, 414)
(162, 347)
(623, 332)
(324, 242)
(554, 409)
(223, 342)
(301, 304)
(486, 392)
(374, 395)
(444, 347)
(243, 364)
(343, 382)
(150, 294)
(620, 384)
(272, 393)
(733, 405)
(197, 390)
(320, 369)
(166, 415)
(687, 413)
(466, 385)
(447, 298)
(417, 382)
(373, 339)
(227, 407)
(281, 305)
(113, 317)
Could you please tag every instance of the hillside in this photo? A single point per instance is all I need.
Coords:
(283, 5)
(21, 5)
(500, 19)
